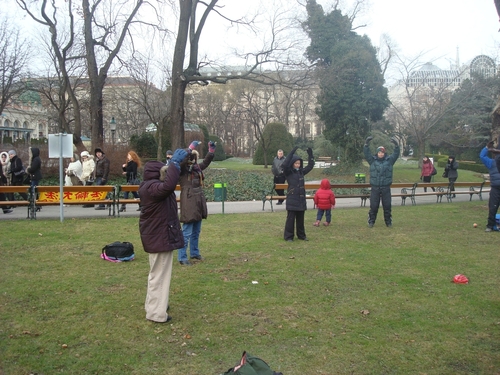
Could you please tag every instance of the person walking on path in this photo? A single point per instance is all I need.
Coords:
(427, 170)
(296, 205)
(279, 177)
(494, 200)
(451, 171)
(88, 166)
(130, 172)
(16, 173)
(73, 172)
(324, 199)
(101, 171)
(3, 197)
(381, 166)
(4, 156)
(193, 202)
(35, 170)
(160, 231)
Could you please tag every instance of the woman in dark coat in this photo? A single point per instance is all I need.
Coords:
(35, 169)
(130, 171)
(296, 204)
(451, 170)
(160, 231)
(193, 202)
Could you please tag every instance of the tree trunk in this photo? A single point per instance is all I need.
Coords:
(176, 118)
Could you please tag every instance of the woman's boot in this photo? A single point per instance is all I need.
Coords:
(123, 208)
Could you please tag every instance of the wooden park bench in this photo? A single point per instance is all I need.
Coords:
(325, 161)
(361, 191)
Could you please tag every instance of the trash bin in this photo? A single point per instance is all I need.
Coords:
(220, 192)
(360, 178)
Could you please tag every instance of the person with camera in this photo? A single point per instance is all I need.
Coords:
(160, 230)
(193, 202)
(381, 166)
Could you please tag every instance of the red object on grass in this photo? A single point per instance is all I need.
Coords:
(460, 279)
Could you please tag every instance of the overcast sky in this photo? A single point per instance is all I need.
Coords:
(433, 27)
(437, 27)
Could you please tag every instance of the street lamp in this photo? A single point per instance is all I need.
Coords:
(112, 127)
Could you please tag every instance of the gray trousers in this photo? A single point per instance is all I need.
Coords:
(160, 273)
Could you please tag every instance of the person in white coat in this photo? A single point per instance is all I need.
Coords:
(73, 172)
(88, 166)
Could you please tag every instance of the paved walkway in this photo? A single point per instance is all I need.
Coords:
(77, 211)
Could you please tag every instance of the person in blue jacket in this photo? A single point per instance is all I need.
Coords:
(494, 200)
(381, 166)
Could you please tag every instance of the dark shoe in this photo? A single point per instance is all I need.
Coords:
(138, 209)
(370, 225)
(123, 208)
(199, 257)
(88, 205)
(7, 211)
(39, 208)
(185, 263)
(304, 239)
(389, 225)
(289, 240)
(100, 208)
(169, 318)
(279, 203)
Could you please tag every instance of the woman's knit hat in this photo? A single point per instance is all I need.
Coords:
(381, 148)
(85, 154)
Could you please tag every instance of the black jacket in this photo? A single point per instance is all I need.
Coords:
(296, 193)
(35, 168)
(16, 165)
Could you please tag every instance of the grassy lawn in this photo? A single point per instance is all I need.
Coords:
(352, 300)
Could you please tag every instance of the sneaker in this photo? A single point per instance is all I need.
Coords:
(488, 229)
(370, 225)
(326, 224)
(316, 224)
(184, 262)
(389, 225)
(494, 229)
(199, 257)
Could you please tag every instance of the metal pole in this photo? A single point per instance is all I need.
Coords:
(61, 169)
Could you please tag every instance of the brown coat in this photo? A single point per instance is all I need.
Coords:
(158, 223)
(193, 201)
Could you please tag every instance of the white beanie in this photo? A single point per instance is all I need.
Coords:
(85, 153)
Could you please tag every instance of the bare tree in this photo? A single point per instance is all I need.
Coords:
(420, 100)
(147, 102)
(62, 51)
(105, 27)
(275, 51)
(14, 53)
